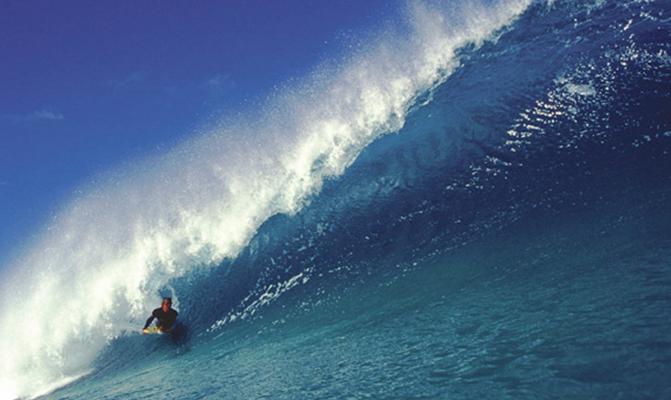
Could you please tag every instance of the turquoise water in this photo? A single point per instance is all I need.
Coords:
(508, 235)
(551, 307)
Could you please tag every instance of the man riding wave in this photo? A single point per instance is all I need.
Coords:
(165, 315)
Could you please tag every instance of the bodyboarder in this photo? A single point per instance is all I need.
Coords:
(165, 315)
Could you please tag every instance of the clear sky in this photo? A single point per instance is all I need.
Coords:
(87, 85)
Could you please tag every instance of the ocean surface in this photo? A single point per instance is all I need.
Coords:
(473, 204)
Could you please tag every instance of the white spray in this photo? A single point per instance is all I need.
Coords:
(96, 270)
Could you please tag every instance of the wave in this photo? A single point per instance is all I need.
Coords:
(93, 273)
(471, 161)
(467, 163)
(479, 147)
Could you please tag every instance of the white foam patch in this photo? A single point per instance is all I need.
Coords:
(249, 306)
(97, 269)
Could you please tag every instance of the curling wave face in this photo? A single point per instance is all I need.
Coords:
(99, 265)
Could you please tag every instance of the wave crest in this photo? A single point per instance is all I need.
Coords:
(97, 269)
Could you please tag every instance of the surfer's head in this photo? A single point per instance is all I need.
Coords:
(166, 303)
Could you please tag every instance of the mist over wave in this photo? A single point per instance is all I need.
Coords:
(102, 263)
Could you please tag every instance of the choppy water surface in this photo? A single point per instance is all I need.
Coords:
(475, 206)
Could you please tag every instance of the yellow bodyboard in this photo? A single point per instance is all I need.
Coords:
(152, 330)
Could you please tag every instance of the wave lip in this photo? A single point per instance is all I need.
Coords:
(98, 268)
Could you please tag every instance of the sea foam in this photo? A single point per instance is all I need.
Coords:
(96, 270)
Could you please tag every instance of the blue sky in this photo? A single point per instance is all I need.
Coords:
(85, 86)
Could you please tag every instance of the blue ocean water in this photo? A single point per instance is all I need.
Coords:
(499, 227)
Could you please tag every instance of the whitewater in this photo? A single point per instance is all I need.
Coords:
(471, 203)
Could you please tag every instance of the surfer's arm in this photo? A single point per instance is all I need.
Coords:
(146, 325)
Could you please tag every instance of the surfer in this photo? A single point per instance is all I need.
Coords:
(166, 316)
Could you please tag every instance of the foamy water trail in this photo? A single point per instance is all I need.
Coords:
(97, 269)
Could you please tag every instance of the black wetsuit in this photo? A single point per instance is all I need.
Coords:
(165, 319)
